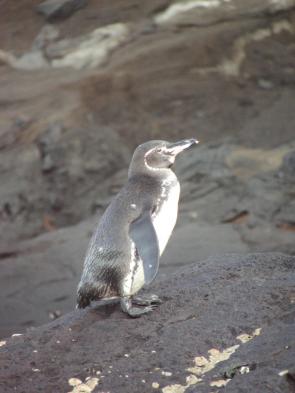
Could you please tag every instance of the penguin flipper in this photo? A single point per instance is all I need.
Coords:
(143, 233)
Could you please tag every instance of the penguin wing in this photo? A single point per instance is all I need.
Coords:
(143, 233)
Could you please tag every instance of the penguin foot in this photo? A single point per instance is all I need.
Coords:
(147, 300)
(135, 312)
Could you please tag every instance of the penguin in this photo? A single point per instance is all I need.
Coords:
(124, 251)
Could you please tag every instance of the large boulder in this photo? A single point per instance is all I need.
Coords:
(224, 321)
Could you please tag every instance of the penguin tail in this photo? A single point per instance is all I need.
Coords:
(85, 295)
(89, 292)
(82, 301)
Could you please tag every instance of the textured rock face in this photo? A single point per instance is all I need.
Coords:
(112, 76)
(199, 12)
(59, 9)
(224, 321)
(63, 130)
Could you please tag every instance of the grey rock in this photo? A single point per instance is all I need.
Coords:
(278, 116)
(48, 34)
(287, 214)
(265, 84)
(60, 9)
(63, 47)
(31, 293)
(288, 165)
(47, 163)
(31, 61)
(204, 13)
(88, 51)
(199, 240)
(48, 147)
(223, 313)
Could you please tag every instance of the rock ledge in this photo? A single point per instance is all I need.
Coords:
(224, 321)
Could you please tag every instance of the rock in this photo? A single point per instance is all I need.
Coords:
(56, 164)
(206, 12)
(30, 61)
(89, 51)
(288, 164)
(48, 147)
(197, 241)
(224, 313)
(286, 215)
(60, 9)
(166, 82)
(277, 116)
(47, 164)
(246, 162)
(265, 84)
(48, 34)
(227, 203)
(59, 255)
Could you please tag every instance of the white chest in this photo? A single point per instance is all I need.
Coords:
(164, 218)
(134, 279)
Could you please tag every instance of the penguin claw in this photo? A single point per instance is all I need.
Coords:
(136, 312)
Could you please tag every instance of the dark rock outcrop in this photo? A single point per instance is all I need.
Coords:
(59, 9)
(224, 321)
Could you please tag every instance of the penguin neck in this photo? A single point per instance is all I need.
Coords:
(145, 169)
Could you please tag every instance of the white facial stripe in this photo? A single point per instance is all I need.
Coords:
(147, 165)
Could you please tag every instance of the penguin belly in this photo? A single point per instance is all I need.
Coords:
(164, 219)
(134, 279)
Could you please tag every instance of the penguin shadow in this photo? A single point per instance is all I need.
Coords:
(105, 309)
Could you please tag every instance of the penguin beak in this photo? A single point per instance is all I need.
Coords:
(178, 147)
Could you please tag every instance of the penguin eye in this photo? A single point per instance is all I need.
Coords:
(159, 150)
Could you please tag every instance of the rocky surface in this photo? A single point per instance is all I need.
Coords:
(60, 9)
(234, 200)
(39, 279)
(225, 321)
(78, 94)
(62, 131)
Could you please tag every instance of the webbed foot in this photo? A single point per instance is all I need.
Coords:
(147, 300)
(135, 312)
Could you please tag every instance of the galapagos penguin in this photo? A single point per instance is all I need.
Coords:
(124, 251)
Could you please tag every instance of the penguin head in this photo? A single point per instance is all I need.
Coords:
(157, 154)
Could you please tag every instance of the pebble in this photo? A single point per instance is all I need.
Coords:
(265, 84)
(166, 373)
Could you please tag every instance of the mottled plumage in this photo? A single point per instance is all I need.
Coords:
(123, 254)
